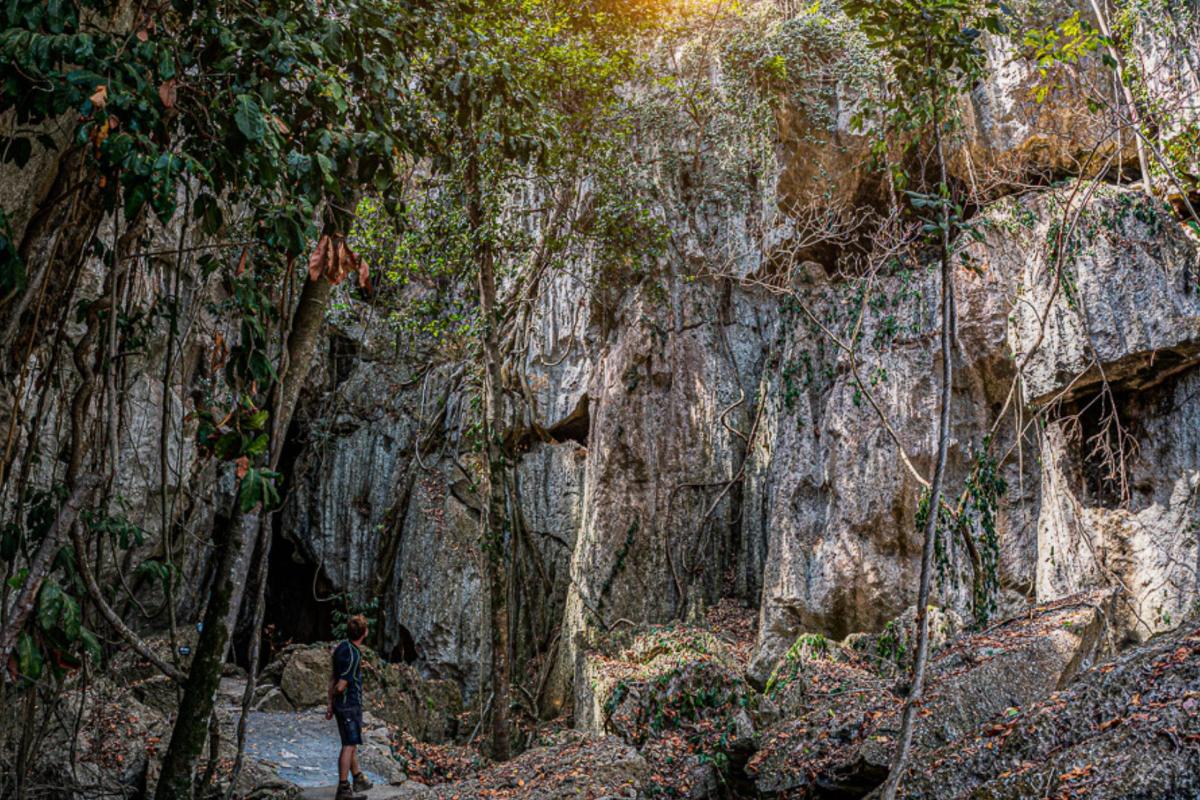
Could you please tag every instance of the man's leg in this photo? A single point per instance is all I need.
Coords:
(345, 759)
(354, 768)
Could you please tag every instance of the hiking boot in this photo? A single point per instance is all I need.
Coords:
(346, 792)
(362, 783)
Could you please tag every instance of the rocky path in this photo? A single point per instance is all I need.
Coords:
(405, 792)
(301, 746)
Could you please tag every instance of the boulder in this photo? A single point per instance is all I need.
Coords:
(396, 694)
(115, 750)
(427, 710)
(305, 677)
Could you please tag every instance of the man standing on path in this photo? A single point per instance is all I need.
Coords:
(345, 703)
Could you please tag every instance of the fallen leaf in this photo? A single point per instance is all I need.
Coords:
(99, 97)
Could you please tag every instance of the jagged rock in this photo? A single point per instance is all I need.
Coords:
(1123, 729)
(670, 391)
(844, 740)
(1109, 296)
(436, 592)
(833, 497)
(1013, 664)
(350, 484)
(1149, 544)
(550, 484)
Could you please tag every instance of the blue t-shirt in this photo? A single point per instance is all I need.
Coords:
(347, 666)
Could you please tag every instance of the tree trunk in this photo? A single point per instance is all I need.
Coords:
(496, 539)
(301, 347)
(191, 720)
(234, 554)
(900, 762)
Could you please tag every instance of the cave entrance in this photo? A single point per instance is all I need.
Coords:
(405, 649)
(294, 615)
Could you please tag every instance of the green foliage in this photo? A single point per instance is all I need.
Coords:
(1064, 44)
(972, 516)
(418, 261)
(56, 640)
(115, 527)
(807, 647)
(345, 607)
(812, 59)
(891, 645)
(279, 106)
(935, 52)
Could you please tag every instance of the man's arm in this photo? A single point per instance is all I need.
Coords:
(337, 685)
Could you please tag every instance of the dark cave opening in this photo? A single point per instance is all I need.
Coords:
(575, 426)
(294, 614)
(405, 649)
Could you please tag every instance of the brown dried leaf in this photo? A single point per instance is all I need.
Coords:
(99, 97)
(243, 466)
(241, 267)
(166, 93)
(364, 275)
(317, 261)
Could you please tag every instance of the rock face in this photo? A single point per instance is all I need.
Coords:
(837, 501)
(687, 438)
(1109, 282)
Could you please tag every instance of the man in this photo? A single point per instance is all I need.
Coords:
(345, 702)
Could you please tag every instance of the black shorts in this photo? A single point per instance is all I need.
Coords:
(349, 722)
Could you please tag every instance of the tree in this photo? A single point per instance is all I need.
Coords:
(935, 54)
(283, 113)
